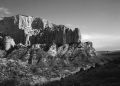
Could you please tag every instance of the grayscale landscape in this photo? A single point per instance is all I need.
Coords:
(59, 43)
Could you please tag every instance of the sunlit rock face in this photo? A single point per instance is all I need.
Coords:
(8, 43)
(32, 30)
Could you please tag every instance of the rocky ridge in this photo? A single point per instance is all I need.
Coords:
(35, 51)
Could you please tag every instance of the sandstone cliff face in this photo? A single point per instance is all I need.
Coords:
(30, 30)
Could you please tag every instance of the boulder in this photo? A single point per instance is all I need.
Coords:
(52, 51)
(62, 49)
(8, 43)
(37, 46)
(89, 50)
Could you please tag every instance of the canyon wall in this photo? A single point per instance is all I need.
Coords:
(32, 30)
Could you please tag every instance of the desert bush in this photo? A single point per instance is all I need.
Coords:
(2, 53)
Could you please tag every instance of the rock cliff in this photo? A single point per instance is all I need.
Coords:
(31, 30)
(56, 51)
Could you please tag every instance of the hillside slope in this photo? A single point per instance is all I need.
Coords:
(102, 75)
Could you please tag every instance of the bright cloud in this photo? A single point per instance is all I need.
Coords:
(103, 41)
(4, 11)
(86, 37)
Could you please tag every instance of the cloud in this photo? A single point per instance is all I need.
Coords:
(100, 36)
(4, 11)
(103, 41)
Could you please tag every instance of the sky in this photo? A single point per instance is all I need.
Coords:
(98, 20)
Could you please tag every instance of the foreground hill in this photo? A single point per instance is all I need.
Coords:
(34, 66)
(102, 75)
(102, 71)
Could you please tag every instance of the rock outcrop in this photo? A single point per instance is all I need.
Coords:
(6, 42)
(43, 51)
(32, 30)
